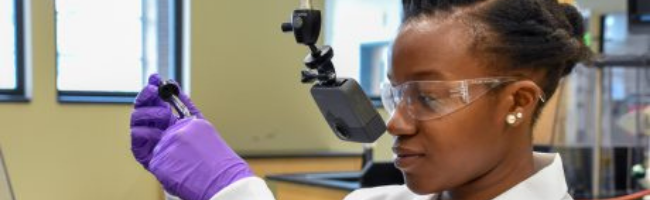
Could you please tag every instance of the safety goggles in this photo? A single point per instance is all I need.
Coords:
(425, 100)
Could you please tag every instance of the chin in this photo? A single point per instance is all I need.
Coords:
(422, 185)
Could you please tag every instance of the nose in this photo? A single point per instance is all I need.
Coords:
(401, 124)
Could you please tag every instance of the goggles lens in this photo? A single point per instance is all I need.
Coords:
(425, 100)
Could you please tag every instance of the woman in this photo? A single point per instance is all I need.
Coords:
(467, 83)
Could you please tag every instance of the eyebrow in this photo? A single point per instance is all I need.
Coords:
(426, 75)
(423, 75)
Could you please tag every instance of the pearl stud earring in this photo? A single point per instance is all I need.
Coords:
(511, 119)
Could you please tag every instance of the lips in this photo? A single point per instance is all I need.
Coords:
(406, 158)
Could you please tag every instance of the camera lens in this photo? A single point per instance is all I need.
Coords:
(341, 131)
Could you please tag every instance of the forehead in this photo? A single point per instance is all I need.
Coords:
(435, 49)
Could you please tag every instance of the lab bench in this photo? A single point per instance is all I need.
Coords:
(333, 185)
(292, 175)
(314, 186)
(272, 163)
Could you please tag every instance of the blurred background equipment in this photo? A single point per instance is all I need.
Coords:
(602, 122)
(639, 16)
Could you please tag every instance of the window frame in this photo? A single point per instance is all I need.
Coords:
(18, 94)
(175, 70)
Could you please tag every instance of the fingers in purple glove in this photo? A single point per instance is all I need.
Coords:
(155, 79)
(160, 117)
(149, 97)
(149, 119)
(143, 141)
(147, 126)
(192, 161)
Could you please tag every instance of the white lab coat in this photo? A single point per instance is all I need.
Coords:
(548, 183)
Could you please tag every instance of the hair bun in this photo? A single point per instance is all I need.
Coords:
(575, 20)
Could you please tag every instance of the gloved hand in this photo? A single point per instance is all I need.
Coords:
(187, 156)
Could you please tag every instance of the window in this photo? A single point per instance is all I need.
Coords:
(360, 32)
(107, 48)
(12, 84)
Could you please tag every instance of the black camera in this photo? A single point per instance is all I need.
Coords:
(342, 102)
(348, 111)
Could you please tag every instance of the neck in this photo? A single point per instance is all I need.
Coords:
(516, 167)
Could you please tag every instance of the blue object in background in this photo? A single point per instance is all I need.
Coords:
(374, 63)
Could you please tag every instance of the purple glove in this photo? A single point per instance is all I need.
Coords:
(187, 156)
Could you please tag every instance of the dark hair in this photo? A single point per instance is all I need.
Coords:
(530, 34)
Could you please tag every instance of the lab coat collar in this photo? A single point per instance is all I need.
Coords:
(548, 182)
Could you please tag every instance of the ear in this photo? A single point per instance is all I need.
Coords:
(521, 97)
